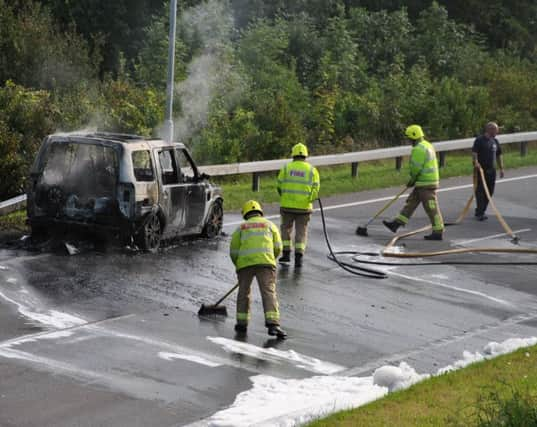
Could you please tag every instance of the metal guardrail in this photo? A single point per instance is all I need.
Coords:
(354, 158)
(12, 205)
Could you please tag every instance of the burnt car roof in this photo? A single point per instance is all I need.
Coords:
(132, 142)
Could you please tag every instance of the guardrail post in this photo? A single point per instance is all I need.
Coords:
(398, 163)
(255, 181)
(442, 159)
(523, 148)
(354, 169)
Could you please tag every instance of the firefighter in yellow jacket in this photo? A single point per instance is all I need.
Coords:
(424, 177)
(255, 245)
(298, 187)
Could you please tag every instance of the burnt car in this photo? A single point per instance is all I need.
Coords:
(141, 190)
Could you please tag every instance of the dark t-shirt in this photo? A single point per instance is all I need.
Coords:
(488, 150)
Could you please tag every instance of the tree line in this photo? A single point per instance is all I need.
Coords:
(255, 77)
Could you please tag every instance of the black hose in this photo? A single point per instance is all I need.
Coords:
(350, 268)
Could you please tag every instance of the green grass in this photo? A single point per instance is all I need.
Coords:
(371, 175)
(15, 221)
(497, 392)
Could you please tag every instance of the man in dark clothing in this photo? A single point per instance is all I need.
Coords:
(486, 153)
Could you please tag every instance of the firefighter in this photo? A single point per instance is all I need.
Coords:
(255, 245)
(424, 178)
(298, 187)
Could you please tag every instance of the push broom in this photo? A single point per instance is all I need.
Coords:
(362, 230)
(216, 308)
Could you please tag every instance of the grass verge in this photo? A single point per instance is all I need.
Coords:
(497, 392)
(15, 221)
(371, 175)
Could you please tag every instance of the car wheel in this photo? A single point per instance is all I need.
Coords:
(148, 238)
(215, 220)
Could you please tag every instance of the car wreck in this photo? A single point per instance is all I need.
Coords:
(123, 186)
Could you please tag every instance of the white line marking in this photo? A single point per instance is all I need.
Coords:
(200, 360)
(454, 288)
(465, 242)
(385, 199)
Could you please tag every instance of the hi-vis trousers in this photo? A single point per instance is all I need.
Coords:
(300, 221)
(266, 279)
(427, 197)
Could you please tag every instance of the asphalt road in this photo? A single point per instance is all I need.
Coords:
(113, 339)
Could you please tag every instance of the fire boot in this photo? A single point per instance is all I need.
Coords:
(298, 259)
(435, 235)
(275, 330)
(241, 329)
(392, 225)
(286, 257)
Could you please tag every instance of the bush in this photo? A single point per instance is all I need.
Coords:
(26, 116)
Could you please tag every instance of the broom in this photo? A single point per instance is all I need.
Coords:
(362, 230)
(216, 308)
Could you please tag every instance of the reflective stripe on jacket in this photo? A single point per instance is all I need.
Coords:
(256, 241)
(298, 185)
(423, 165)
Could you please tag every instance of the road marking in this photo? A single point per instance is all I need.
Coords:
(385, 199)
(196, 359)
(494, 236)
(454, 288)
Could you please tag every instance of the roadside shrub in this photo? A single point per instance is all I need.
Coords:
(127, 108)
(26, 116)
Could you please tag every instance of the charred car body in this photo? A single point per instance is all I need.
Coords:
(122, 185)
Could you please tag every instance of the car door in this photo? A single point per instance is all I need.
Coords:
(195, 197)
(173, 191)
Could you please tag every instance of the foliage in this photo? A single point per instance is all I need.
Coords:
(34, 53)
(127, 108)
(25, 117)
(255, 77)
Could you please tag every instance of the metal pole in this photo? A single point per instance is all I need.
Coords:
(171, 69)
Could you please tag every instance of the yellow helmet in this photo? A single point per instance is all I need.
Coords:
(250, 206)
(414, 132)
(299, 150)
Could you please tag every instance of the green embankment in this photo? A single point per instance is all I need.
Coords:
(497, 392)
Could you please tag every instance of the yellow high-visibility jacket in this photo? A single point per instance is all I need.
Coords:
(423, 165)
(256, 241)
(298, 185)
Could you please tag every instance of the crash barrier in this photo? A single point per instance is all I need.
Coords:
(353, 158)
(13, 204)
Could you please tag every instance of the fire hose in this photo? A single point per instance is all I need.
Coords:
(388, 251)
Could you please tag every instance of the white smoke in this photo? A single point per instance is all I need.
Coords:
(212, 72)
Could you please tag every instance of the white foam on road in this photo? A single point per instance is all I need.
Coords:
(397, 377)
(53, 318)
(289, 402)
(34, 338)
(491, 350)
(283, 402)
(278, 356)
(189, 357)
